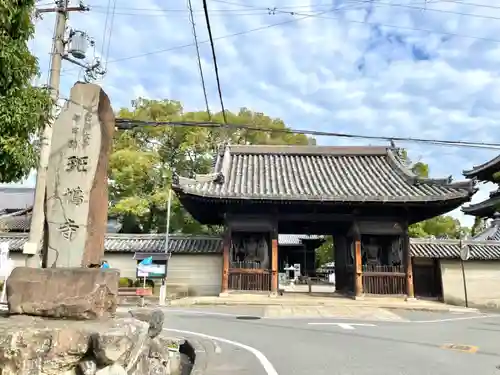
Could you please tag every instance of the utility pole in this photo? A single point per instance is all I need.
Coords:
(37, 228)
(168, 254)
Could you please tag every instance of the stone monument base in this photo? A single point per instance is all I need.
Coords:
(71, 293)
(125, 346)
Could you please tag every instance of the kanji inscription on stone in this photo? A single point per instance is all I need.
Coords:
(74, 195)
(68, 229)
(85, 138)
(77, 195)
(78, 163)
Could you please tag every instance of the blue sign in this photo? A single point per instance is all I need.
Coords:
(146, 261)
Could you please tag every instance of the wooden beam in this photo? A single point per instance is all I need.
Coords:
(312, 217)
(248, 270)
(358, 276)
(410, 292)
(274, 262)
(226, 246)
(358, 267)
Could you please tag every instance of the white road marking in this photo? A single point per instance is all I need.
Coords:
(457, 319)
(342, 325)
(196, 312)
(265, 363)
(218, 349)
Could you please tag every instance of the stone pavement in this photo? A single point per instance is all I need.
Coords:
(313, 312)
(297, 300)
(428, 343)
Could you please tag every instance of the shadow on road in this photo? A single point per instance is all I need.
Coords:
(268, 324)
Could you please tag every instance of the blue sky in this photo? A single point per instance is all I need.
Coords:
(330, 65)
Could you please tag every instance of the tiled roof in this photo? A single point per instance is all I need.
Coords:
(450, 249)
(15, 223)
(16, 198)
(295, 239)
(22, 223)
(155, 243)
(485, 208)
(491, 233)
(484, 171)
(131, 243)
(337, 174)
(185, 244)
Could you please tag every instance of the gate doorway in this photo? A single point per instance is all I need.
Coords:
(299, 268)
(427, 278)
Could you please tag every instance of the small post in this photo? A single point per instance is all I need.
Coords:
(32, 247)
(410, 291)
(274, 263)
(225, 261)
(163, 288)
(36, 242)
(358, 266)
(464, 256)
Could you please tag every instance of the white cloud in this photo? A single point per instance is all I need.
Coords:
(341, 71)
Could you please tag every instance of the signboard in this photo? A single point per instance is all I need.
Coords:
(465, 252)
(6, 266)
(151, 270)
(4, 258)
(143, 292)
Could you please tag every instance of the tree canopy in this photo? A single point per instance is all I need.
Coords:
(24, 109)
(439, 226)
(142, 161)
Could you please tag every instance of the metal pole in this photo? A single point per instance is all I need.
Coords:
(167, 231)
(163, 294)
(32, 247)
(465, 284)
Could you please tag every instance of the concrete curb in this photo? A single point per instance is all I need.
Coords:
(201, 359)
(410, 305)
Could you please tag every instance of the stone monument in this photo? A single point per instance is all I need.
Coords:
(77, 186)
(76, 215)
(83, 334)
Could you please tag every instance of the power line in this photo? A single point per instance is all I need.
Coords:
(244, 32)
(471, 4)
(165, 10)
(126, 124)
(103, 42)
(312, 15)
(193, 25)
(156, 14)
(214, 58)
(111, 27)
(293, 13)
(378, 4)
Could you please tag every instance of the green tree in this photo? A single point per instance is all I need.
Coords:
(439, 226)
(324, 253)
(143, 161)
(478, 226)
(24, 109)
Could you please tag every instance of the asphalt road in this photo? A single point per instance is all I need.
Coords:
(414, 345)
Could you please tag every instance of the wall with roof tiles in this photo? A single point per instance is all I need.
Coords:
(199, 274)
(482, 278)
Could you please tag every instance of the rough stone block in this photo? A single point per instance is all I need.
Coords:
(155, 318)
(73, 293)
(30, 345)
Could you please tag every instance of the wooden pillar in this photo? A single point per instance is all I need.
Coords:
(226, 246)
(274, 262)
(358, 267)
(410, 293)
(340, 256)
